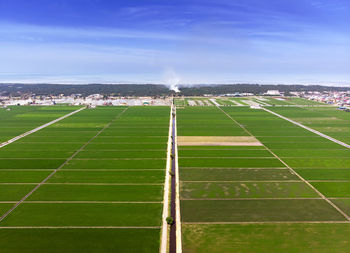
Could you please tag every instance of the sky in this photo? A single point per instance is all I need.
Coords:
(168, 41)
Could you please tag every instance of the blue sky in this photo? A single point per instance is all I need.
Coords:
(193, 41)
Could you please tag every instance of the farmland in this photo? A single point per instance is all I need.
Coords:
(248, 180)
(16, 120)
(91, 182)
(263, 198)
(246, 101)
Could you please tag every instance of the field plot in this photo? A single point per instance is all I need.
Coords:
(282, 196)
(102, 174)
(327, 120)
(20, 119)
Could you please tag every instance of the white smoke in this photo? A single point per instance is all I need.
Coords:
(172, 80)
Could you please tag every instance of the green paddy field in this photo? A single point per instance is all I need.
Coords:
(290, 195)
(102, 176)
(94, 182)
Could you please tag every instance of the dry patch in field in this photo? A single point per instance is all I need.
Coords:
(217, 141)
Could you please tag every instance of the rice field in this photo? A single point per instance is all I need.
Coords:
(92, 182)
(288, 195)
(246, 101)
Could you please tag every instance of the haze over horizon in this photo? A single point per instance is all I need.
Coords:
(242, 41)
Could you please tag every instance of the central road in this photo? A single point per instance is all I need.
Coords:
(172, 242)
(175, 244)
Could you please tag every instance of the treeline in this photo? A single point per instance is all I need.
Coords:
(253, 88)
(151, 89)
(84, 90)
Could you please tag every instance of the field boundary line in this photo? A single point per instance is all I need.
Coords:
(116, 159)
(230, 157)
(263, 222)
(293, 171)
(164, 238)
(228, 168)
(143, 184)
(293, 198)
(109, 169)
(309, 129)
(57, 169)
(329, 181)
(80, 227)
(244, 181)
(39, 128)
(177, 199)
(90, 202)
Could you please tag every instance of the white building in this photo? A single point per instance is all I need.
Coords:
(273, 93)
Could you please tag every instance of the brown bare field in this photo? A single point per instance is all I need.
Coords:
(217, 141)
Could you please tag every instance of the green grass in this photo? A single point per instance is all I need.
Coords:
(328, 163)
(126, 146)
(22, 176)
(14, 192)
(344, 204)
(258, 210)
(266, 238)
(123, 176)
(21, 119)
(122, 154)
(313, 153)
(116, 164)
(236, 175)
(30, 163)
(324, 174)
(212, 190)
(206, 121)
(79, 240)
(103, 172)
(35, 154)
(4, 207)
(125, 214)
(333, 189)
(59, 146)
(327, 120)
(52, 192)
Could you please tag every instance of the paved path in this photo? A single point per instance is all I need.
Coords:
(290, 168)
(309, 129)
(38, 128)
(164, 230)
(62, 165)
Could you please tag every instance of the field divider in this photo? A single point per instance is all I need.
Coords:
(177, 199)
(347, 217)
(228, 199)
(91, 202)
(225, 168)
(243, 181)
(229, 157)
(63, 183)
(57, 169)
(309, 129)
(80, 227)
(164, 238)
(39, 128)
(265, 222)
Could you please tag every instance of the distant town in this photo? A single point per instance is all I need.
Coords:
(336, 98)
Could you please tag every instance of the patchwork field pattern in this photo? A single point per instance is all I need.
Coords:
(287, 195)
(16, 120)
(246, 101)
(328, 120)
(94, 181)
(98, 178)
